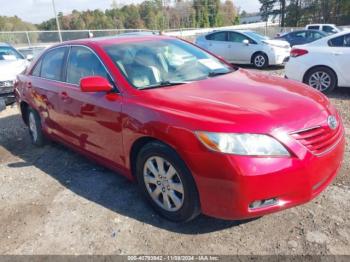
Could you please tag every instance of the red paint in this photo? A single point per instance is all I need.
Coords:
(105, 129)
(95, 84)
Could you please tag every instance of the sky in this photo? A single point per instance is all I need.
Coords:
(36, 11)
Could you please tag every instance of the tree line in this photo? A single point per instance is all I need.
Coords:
(150, 14)
(295, 13)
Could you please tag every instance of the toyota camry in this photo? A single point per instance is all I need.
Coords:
(197, 134)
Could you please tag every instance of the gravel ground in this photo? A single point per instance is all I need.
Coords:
(54, 201)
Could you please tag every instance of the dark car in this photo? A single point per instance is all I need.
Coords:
(302, 37)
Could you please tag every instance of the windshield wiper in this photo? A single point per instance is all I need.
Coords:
(164, 83)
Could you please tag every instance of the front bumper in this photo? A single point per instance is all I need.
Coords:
(228, 184)
(7, 94)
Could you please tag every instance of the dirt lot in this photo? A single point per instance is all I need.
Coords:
(54, 201)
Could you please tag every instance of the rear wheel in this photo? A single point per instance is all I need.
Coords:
(260, 60)
(35, 129)
(167, 183)
(321, 78)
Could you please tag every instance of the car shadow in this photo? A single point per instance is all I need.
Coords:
(269, 68)
(342, 93)
(92, 181)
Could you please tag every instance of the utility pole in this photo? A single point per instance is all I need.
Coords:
(57, 22)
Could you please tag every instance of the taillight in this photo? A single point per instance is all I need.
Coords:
(298, 52)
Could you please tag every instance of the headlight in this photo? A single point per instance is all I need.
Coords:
(242, 144)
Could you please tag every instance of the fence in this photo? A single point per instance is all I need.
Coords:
(22, 39)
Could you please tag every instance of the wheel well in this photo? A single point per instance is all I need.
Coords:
(135, 149)
(258, 52)
(320, 66)
(24, 111)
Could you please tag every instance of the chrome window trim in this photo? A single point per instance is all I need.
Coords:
(69, 46)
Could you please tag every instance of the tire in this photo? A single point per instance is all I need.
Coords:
(322, 79)
(180, 207)
(260, 60)
(35, 130)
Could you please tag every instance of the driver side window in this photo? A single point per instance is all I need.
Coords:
(81, 63)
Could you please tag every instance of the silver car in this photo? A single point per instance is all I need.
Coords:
(245, 47)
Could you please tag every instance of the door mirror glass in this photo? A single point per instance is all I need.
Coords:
(95, 84)
(246, 41)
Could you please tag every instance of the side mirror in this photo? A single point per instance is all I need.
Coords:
(29, 57)
(246, 42)
(95, 84)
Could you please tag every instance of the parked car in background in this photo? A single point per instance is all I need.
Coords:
(327, 28)
(245, 47)
(11, 63)
(31, 52)
(323, 64)
(301, 37)
(198, 134)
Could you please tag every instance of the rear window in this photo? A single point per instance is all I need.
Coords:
(340, 41)
(313, 27)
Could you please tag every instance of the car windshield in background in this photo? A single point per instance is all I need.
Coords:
(9, 53)
(256, 36)
(157, 63)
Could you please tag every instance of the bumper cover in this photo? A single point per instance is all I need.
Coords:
(227, 185)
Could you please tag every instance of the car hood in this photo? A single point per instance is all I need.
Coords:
(277, 43)
(244, 101)
(11, 68)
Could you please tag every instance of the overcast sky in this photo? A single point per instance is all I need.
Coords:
(36, 11)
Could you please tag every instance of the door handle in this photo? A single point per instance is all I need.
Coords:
(337, 53)
(64, 96)
(229, 46)
(29, 84)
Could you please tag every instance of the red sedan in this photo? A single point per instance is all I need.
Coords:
(196, 133)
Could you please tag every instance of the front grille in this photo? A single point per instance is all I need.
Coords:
(6, 87)
(319, 139)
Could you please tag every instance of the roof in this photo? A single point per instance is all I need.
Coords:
(123, 38)
(4, 44)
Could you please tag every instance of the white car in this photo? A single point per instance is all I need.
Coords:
(12, 63)
(245, 47)
(323, 64)
(327, 28)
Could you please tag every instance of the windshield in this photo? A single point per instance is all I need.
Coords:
(9, 53)
(156, 63)
(256, 36)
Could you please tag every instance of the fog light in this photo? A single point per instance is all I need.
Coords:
(263, 203)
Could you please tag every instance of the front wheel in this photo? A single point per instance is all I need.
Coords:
(322, 79)
(260, 60)
(167, 183)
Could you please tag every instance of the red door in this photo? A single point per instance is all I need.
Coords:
(45, 86)
(94, 122)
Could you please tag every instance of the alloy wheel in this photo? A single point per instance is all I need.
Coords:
(320, 80)
(163, 183)
(259, 61)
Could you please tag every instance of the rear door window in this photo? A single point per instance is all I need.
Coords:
(53, 63)
(313, 27)
(219, 36)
